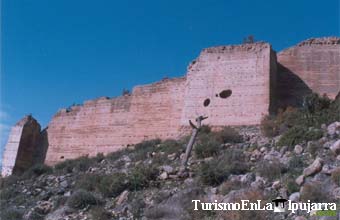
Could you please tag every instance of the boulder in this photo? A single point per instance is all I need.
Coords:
(334, 128)
(298, 149)
(294, 197)
(122, 197)
(314, 168)
(335, 148)
(163, 176)
(168, 169)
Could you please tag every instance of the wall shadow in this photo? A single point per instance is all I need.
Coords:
(290, 88)
(42, 147)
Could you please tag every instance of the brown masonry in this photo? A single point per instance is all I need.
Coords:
(232, 85)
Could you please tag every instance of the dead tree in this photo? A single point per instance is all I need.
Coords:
(195, 129)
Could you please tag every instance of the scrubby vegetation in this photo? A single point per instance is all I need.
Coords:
(82, 198)
(315, 192)
(271, 170)
(303, 124)
(214, 172)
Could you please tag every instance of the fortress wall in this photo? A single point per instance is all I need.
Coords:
(106, 125)
(21, 146)
(243, 69)
(157, 109)
(312, 65)
(249, 74)
(100, 125)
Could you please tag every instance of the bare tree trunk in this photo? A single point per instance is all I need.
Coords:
(195, 129)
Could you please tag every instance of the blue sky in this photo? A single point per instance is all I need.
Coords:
(58, 52)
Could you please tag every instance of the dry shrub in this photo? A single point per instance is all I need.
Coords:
(336, 176)
(251, 195)
(315, 191)
(228, 135)
(228, 186)
(269, 127)
(270, 169)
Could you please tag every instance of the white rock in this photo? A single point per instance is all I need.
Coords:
(333, 128)
(168, 169)
(122, 197)
(298, 149)
(163, 176)
(263, 149)
(335, 148)
(300, 180)
(314, 168)
(276, 185)
(294, 197)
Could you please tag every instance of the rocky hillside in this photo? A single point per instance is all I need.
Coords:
(295, 154)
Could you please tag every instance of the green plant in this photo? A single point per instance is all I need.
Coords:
(228, 135)
(270, 169)
(171, 146)
(295, 165)
(140, 177)
(100, 213)
(252, 196)
(290, 184)
(269, 127)
(113, 156)
(11, 214)
(336, 176)
(315, 191)
(142, 149)
(82, 198)
(80, 164)
(88, 182)
(206, 147)
(228, 186)
(36, 170)
(214, 172)
(8, 193)
(205, 129)
(8, 181)
(113, 185)
(298, 134)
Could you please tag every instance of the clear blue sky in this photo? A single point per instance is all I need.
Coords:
(58, 52)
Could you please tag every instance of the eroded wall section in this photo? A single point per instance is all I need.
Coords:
(21, 146)
(106, 125)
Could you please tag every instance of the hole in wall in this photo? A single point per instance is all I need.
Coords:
(62, 157)
(225, 93)
(206, 102)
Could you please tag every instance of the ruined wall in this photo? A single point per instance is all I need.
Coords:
(243, 71)
(312, 65)
(105, 125)
(162, 109)
(232, 85)
(21, 146)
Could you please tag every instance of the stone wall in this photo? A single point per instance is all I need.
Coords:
(105, 125)
(21, 146)
(312, 65)
(232, 85)
(243, 72)
(163, 109)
